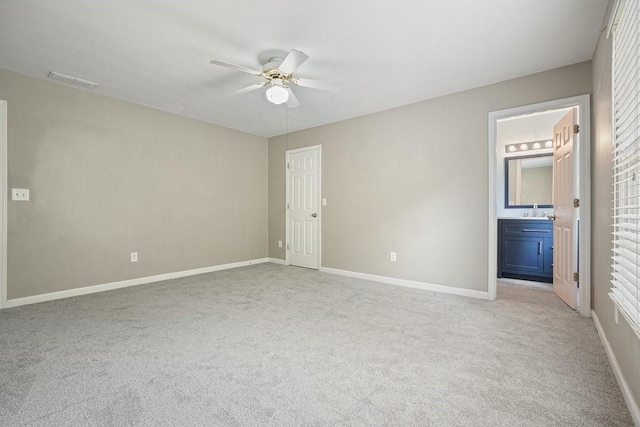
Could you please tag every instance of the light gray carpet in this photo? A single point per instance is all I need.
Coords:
(275, 345)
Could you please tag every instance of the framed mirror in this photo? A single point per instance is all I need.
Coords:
(528, 180)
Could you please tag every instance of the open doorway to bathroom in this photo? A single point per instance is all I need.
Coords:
(538, 171)
(525, 206)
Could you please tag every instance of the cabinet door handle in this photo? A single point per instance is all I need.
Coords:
(539, 248)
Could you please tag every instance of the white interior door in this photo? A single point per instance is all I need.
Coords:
(3, 203)
(303, 215)
(565, 224)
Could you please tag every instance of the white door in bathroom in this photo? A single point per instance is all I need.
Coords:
(565, 224)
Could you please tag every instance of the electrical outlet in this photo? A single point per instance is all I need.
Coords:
(279, 243)
(134, 256)
(20, 194)
(392, 257)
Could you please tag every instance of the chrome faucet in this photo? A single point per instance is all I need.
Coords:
(535, 210)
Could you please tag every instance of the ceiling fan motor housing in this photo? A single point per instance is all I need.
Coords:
(273, 63)
(271, 70)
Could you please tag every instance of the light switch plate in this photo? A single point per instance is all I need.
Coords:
(20, 194)
(324, 202)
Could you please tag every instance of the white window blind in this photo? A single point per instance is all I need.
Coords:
(626, 162)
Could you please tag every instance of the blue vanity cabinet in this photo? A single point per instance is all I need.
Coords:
(525, 249)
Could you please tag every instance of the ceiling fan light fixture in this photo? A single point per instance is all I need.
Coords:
(277, 93)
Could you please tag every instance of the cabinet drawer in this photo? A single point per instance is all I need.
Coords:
(533, 227)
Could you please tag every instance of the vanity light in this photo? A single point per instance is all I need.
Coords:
(527, 146)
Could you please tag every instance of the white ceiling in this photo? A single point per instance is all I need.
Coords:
(386, 53)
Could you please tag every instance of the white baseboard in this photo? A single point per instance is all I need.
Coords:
(277, 261)
(624, 387)
(126, 283)
(408, 283)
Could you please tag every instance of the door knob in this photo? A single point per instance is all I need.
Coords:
(552, 217)
(314, 215)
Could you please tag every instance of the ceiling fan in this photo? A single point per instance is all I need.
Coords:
(278, 75)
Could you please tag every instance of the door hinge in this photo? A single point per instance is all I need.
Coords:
(576, 277)
(576, 128)
(288, 166)
(287, 205)
(576, 203)
(287, 246)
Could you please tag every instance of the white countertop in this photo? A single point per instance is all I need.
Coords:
(525, 217)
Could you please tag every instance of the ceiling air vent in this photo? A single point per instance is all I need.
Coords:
(72, 80)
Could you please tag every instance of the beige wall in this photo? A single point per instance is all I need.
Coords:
(108, 178)
(625, 344)
(412, 180)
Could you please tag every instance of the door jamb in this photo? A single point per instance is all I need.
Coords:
(584, 153)
(3, 203)
(319, 201)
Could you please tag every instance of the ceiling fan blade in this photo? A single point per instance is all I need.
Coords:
(292, 102)
(318, 84)
(294, 59)
(236, 67)
(248, 89)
